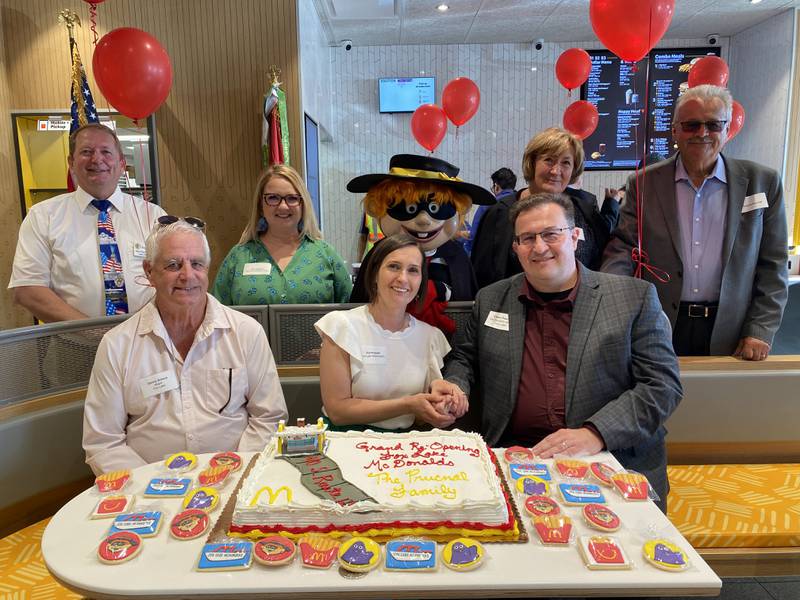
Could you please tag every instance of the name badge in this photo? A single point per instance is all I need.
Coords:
(373, 355)
(497, 320)
(138, 250)
(755, 201)
(580, 234)
(159, 383)
(257, 269)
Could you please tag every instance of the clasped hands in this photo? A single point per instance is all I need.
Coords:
(441, 406)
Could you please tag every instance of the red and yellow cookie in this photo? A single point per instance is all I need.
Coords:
(119, 547)
(113, 481)
(215, 476)
(518, 454)
(226, 459)
(274, 550)
(602, 472)
(601, 517)
(113, 505)
(318, 551)
(633, 486)
(572, 468)
(189, 524)
(553, 530)
(541, 506)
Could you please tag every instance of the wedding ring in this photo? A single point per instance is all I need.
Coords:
(564, 445)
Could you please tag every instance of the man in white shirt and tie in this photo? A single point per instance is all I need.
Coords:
(78, 256)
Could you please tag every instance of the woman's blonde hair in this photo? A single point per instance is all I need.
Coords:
(382, 196)
(552, 142)
(308, 220)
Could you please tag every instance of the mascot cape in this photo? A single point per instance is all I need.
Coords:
(423, 197)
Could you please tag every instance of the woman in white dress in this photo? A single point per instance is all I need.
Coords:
(377, 361)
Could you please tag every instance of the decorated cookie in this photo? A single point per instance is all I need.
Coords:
(189, 524)
(205, 498)
(410, 555)
(602, 472)
(581, 493)
(533, 486)
(553, 530)
(112, 482)
(181, 461)
(665, 555)
(359, 554)
(226, 459)
(572, 468)
(601, 517)
(274, 550)
(462, 554)
(318, 551)
(540, 506)
(632, 486)
(215, 476)
(111, 506)
(519, 470)
(225, 556)
(170, 488)
(119, 547)
(518, 454)
(603, 552)
(144, 524)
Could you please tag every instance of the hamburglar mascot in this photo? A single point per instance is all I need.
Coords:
(423, 197)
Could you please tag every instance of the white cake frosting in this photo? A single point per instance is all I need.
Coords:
(417, 477)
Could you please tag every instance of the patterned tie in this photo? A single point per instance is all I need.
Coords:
(111, 262)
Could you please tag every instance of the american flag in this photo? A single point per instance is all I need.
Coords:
(83, 108)
(111, 265)
(106, 227)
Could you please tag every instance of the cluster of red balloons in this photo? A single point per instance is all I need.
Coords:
(133, 71)
(572, 70)
(712, 70)
(460, 101)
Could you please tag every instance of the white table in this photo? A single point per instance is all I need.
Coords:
(165, 566)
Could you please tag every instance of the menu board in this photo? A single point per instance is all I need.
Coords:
(619, 91)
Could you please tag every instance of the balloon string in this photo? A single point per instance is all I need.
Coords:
(638, 255)
(457, 128)
(93, 20)
(144, 171)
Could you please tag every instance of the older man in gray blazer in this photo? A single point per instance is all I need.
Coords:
(713, 236)
(565, 359)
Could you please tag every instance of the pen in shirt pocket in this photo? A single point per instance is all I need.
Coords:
(230, 382)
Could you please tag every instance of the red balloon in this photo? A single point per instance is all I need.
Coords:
(429, 124)
(573, 67)
(581, 118)
(737, 120)
(630, 28)
(460, 100)
(94, 1)
(709, 69)
(133, 71)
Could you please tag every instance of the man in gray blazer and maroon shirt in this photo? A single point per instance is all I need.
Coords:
(568, 360)
(714, 235)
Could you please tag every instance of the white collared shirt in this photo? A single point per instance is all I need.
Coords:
(57, 248)
(226, 393)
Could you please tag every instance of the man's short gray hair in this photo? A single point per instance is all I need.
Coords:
(159, 232)
(705, 92)
(539, 200)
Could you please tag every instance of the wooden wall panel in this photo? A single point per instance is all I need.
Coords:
(209, 129)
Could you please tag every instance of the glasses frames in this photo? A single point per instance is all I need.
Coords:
(276, 199)
(694, 126)
(165, 220)
(549, 236)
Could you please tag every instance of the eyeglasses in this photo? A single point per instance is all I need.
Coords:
(275, 199)
(549, 236)
(165, 220)
(694, 126)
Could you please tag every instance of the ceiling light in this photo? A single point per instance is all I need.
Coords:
(755, 1)
(533, 68)
(443, 8)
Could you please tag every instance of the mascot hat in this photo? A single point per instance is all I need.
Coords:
(412, 167)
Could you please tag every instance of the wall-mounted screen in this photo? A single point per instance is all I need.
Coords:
(618, 92)
(405, 94)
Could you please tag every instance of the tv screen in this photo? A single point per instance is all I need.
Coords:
(405, 94)
(618, 92)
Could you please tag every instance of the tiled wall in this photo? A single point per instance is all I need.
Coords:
(516, 102)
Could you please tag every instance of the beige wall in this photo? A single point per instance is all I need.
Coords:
(209, 129)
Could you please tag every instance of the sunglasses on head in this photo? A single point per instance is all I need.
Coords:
(165, 220)
(694, 126)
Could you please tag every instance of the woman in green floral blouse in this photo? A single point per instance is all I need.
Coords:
(281, 257)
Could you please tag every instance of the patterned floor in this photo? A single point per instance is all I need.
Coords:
(23, 575)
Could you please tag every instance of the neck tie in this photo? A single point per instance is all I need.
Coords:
(110, 261)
